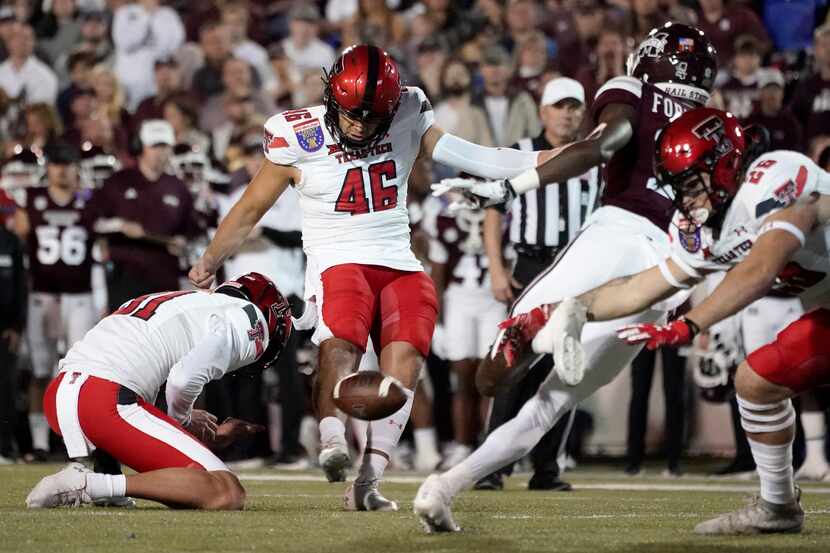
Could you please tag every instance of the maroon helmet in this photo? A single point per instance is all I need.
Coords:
(364, 84)
(702, 140)
(679, 59)
(263, 293)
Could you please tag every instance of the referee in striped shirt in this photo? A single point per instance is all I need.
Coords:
(541, 223)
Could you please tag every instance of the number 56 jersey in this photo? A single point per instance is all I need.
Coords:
(353, 202)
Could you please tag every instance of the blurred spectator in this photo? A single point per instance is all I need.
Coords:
(376, 23)
(24, 77)
(723, 20)
(741, 88)
(168, 79)
(236, 16)
(143, 32)
(110, 98)
(81, 107)
(643, 17)
(151, 214)
(609, 62)
(302, 46)
(674, 376)
(454, 114)
(58, 31)
(523, 18)
(785, 130)
(215, 43)
(533, 68)
(240, 114)
(180, 111)
(811, 100)
(12, 320)
(574, 46)
(238, 79)
(429, 61)
(453, 26)
(43, 127)
(308, 92)
(94, 40)
(80, 66)
(511, 115)
(280, 88)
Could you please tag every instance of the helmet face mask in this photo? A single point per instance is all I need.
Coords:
(363, 87)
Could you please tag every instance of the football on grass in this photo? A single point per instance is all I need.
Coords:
(369, 395)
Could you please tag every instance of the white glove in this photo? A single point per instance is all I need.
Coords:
(562, 336)
(476, 193)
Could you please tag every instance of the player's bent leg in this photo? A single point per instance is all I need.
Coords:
(768, 418)
(188, 488)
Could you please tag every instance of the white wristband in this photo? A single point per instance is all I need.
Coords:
(667, 274)
(525, 182)
(785, 226)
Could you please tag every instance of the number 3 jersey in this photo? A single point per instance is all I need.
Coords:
(774, 181)
(60, 242)
(199, 335)
(353, 202)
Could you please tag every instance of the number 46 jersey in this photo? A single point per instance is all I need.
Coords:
(353, 202)
(60, 242)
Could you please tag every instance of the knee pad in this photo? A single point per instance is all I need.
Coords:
(768, 417)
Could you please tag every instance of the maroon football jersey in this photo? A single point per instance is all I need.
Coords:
(811, 106)
(60, 242)
(629, 174)
(460, 235)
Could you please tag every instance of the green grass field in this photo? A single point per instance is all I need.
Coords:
(299, 512)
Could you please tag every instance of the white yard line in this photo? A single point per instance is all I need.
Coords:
(715, 486)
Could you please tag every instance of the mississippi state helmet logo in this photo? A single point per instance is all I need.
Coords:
(653, 46)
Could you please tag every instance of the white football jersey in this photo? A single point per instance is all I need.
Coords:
(143, 341)
(774, 181)
(354, 204)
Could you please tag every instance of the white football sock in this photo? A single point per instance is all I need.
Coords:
(814, 429)
(510, 441)
(332, 429)
(100, 486)
(382, 437)
(40, 431)
(775, 469)
(426, 441)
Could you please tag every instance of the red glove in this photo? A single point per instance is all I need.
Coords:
(679, 332)
(520, 330)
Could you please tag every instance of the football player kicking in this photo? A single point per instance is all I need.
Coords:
(103, 395)
(764, 219)
(671, 72)
(349, 160)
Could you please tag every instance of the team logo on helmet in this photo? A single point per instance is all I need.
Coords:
(653, 46)
(709, 129)
(309, 135)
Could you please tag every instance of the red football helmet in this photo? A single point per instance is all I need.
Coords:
(263, 293)
(703, 140)
(679, 59)
(364, 84)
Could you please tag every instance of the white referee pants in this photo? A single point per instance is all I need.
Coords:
(612, 244)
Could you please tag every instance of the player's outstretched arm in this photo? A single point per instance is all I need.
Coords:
(615, 129)
(634, 293)
(264, 189)
(781, 236)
